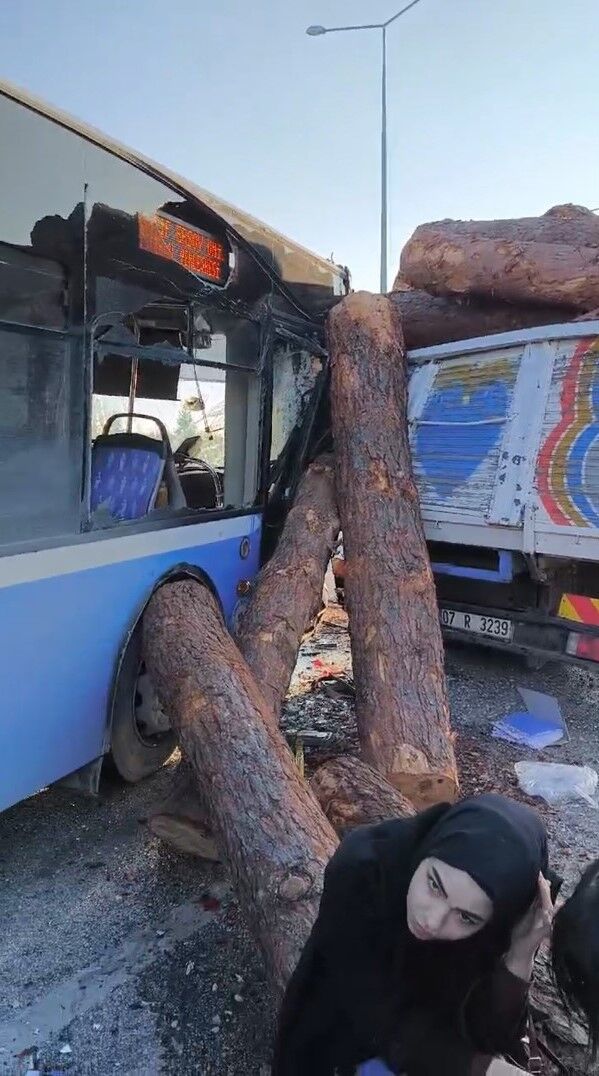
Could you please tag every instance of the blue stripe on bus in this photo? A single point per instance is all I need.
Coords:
(61, 640)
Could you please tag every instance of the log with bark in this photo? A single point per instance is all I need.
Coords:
(571, 224)
(552, 259)
(285, 598)
(182, 820)
(513, 271)
(351, 793)
(435, 319)
(288, 592)
(266, 821)
(401, 702)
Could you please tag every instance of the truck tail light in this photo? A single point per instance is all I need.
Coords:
(582, 646)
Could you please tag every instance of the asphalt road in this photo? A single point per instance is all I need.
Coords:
(118, 955)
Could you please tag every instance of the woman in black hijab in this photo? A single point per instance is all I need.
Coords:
(423, 948)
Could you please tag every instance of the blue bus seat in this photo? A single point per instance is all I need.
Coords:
(127, 470)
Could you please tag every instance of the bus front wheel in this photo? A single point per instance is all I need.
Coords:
(141, 739)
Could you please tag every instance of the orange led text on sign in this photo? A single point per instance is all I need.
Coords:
(195, 251)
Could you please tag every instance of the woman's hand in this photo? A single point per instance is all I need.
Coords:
(530, 932)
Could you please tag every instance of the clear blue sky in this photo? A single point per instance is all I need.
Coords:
(493, 104)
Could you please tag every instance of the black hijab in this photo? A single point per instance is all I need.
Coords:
(501, 844)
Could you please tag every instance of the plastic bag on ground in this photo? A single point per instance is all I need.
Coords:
(557, 782)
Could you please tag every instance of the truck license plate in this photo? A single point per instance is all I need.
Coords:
(493, 626)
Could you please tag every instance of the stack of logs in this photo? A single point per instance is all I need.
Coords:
(224, 695)
(242, 793)
(460, 279)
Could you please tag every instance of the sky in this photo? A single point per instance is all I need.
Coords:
(493, 105)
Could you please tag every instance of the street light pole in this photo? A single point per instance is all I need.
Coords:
(317, 31)
(384, 234)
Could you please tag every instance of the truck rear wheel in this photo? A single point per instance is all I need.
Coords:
(141, 739)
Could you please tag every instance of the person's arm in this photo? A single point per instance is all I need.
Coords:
(303, 1039)
(425, 1046)
(495, 1009)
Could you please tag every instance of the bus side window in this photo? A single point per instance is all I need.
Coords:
(41, 309)
(181, 351)
(204, 408)
(40, 437)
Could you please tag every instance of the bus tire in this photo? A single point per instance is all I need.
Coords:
(135, 751)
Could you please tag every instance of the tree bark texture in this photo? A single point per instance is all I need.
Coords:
(397, 652)
(351, 793)
(571, 224)
(435, 319)
(286, 596)
(268, 824)
(288, 592)
(514, 270)
(182, 818)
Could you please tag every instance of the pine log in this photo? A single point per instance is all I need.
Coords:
(401, 702)
(268, 824)
(517, 271)
(570, 224)
(352, 794)
(182, 818)
(288, 592)
(286, 596)
(435, 319)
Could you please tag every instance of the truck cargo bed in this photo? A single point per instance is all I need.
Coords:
(504, 432)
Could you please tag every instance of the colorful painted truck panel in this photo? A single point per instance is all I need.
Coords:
(505, 440)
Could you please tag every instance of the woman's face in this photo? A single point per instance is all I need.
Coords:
(445, 904)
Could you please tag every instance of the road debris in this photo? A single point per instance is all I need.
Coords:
(556, 782)
(541, 725)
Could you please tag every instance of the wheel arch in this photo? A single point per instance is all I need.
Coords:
(178, 572)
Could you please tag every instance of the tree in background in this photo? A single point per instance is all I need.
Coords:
(186, 426)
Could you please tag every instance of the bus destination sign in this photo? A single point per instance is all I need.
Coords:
(195, 250)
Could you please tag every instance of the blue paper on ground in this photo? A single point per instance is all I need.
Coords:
(540, 725)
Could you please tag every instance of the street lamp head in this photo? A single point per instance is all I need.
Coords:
(316, 31)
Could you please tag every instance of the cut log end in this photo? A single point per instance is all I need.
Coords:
(185, 835)
(426, 789)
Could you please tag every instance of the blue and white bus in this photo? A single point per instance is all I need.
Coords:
(161, 369)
